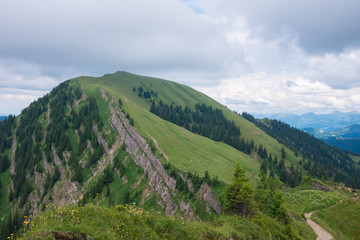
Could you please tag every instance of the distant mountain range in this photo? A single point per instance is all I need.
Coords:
(337, 128)
(325, 122)
(2, 117)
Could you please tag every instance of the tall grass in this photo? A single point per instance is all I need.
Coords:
(342, 219)
(130, 222)
(304, 201)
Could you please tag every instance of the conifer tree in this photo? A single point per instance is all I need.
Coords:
(283, 153)
(239, 194)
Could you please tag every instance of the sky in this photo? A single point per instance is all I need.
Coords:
(259, 56)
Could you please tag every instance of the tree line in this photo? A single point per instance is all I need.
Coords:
(319, 159)
(205, 121)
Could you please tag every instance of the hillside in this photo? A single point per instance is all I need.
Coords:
(347, 138)
(340, 129)
(124, 138)
(131, 222)
(319, 159)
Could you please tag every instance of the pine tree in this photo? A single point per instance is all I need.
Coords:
(207, 176)
(263, 167)
(239, 194)
(283, 153)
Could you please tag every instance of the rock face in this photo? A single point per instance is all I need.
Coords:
(12, 166)
(206, 194)
(58, 163)
(137, 147)
(159, 180)
(320, 187)
(100, 139)
(68, 192)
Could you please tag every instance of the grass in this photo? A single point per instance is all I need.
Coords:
(341, 220)
(304, 201)
(130, 222)
(356, 158)
(187, 151)
(132, 174)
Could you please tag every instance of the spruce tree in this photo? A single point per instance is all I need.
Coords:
(283, 153)
(239, 194)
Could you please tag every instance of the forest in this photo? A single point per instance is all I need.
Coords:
(319, 159)
(211, 123)
(205, 121)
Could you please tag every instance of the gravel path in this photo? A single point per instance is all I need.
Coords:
(321, 233)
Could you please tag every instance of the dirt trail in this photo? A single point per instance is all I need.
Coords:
(321, 233)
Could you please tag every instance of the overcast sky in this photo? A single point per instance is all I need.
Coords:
(257, 56)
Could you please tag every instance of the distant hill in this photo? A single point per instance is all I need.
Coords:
(325, 122)
(325, 159)
(352, 145)
(347, 138)
(2, 117)
(336, 128)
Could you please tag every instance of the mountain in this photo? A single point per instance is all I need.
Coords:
(348, 132)
(336, 129)
(129, 139)
(325, 122)
(2, 118)
(347, 138)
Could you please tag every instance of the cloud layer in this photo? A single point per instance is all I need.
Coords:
(263, 56)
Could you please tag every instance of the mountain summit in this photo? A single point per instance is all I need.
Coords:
(129, 139)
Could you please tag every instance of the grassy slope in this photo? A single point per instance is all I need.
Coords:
(356, 158)
(101, 222)
(341, 220)
(185, 150)
(133, 223)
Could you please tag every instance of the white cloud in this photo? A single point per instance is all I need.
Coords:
(17, 74)
(13, 100)
(106, 36)
(274, 93)
(338, 70)
(319, 26)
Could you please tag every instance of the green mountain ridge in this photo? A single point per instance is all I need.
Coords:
(95, 141)
(347, 138)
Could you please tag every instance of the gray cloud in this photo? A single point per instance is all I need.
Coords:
(232, 101)
(105, 36)
(319, 26)
(258, 56)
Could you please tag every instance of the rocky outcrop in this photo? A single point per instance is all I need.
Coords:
(137, 147)
(320, 187)
(83, 98)
(68, 107)
(103, 95)
(46, 165)
(100, 139)
(186, 209)
(13, 149)
(58, 162)
(206, 194)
